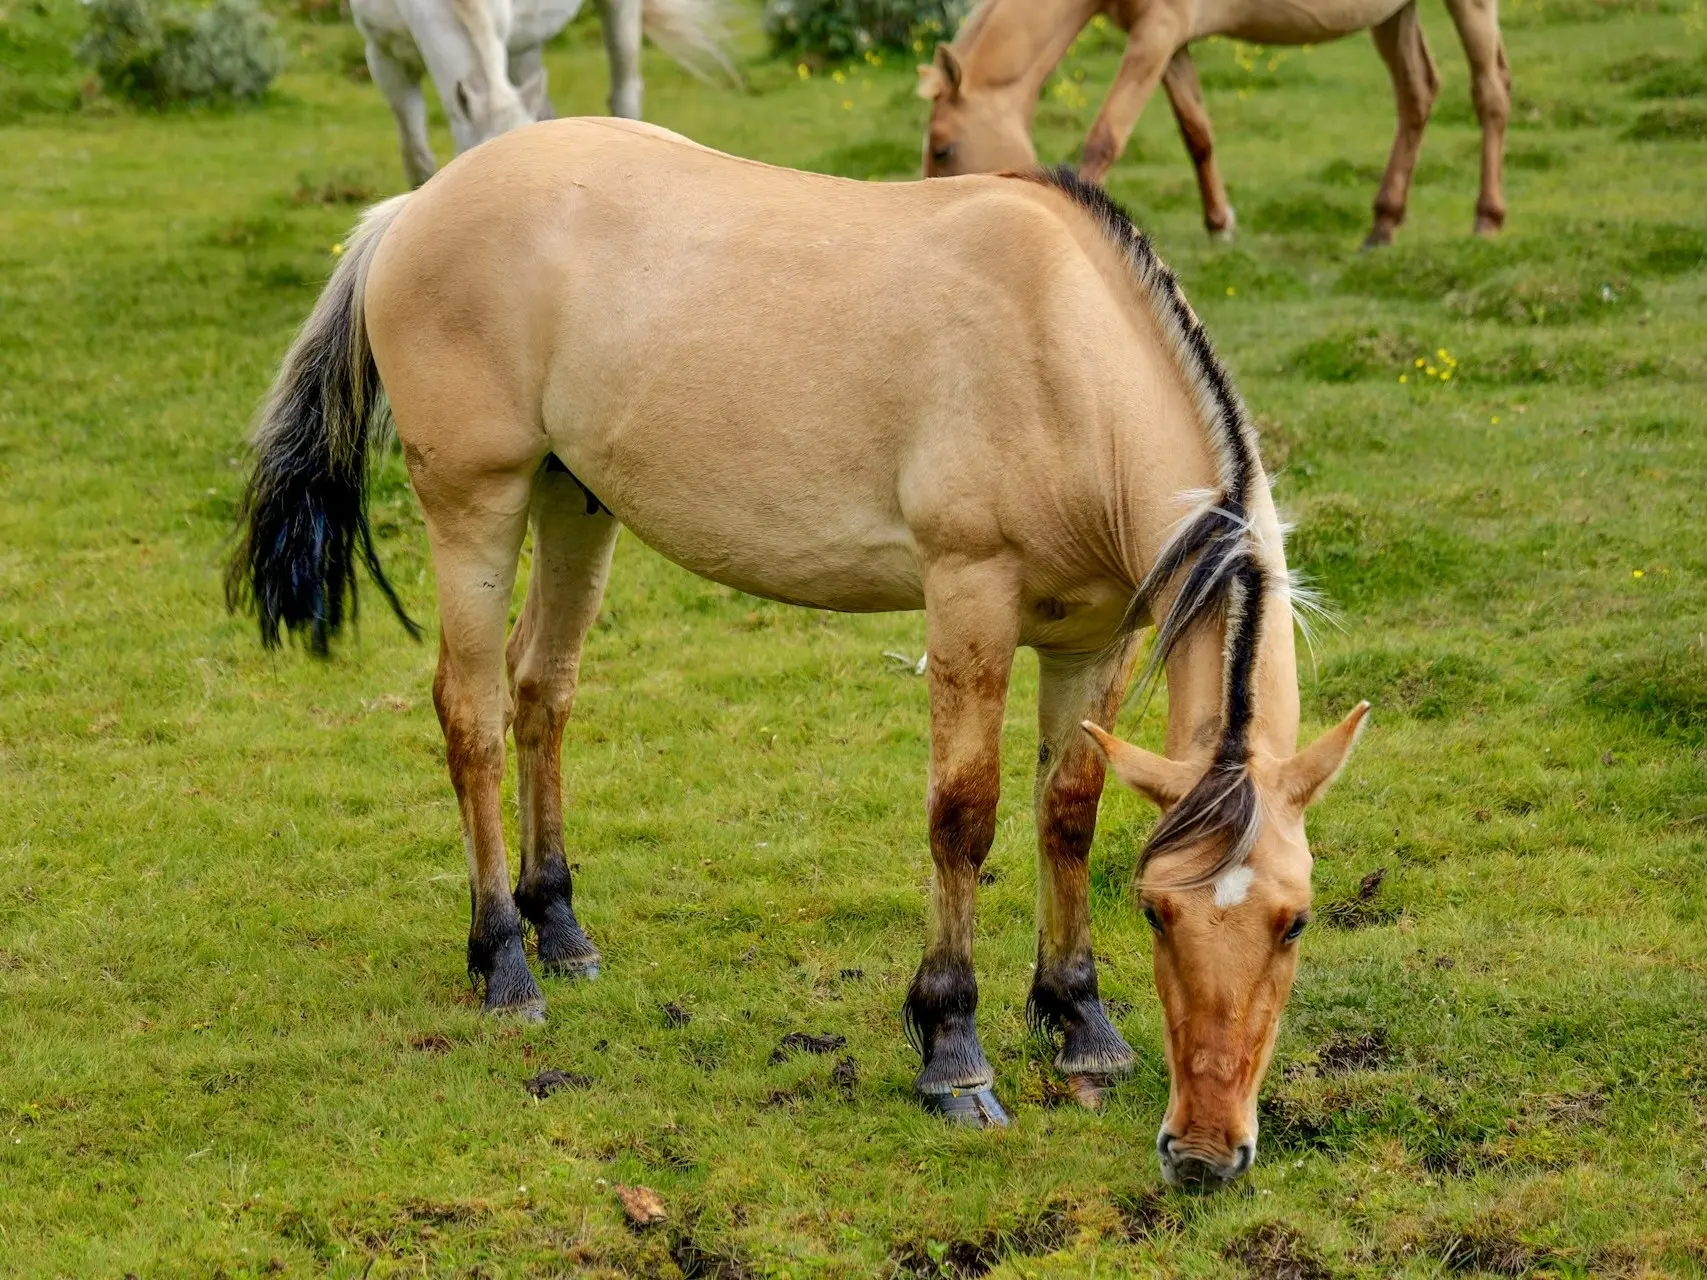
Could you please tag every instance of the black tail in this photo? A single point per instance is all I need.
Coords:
(302, 523)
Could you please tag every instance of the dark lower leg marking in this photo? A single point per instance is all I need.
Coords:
(497, 961)
(547, 903)
(1064, 998)
(942, 1002)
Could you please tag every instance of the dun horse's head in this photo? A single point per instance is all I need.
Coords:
(973, 129)
(1226, 946)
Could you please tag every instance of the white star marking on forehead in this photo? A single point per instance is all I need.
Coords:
(1230, 889)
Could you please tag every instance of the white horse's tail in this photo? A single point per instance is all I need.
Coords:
(693, 32)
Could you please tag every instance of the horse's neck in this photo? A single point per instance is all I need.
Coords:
(1197, 674)
(1018, 42)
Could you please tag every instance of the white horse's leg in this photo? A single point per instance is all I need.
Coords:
(527, 73)
(402, 89)
(621, 19)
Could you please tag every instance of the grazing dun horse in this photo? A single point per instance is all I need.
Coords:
(485, 60)
(984, 86)
(985, 398)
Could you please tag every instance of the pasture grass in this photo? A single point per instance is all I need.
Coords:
(235, 1034)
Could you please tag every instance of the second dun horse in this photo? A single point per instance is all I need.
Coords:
(983, 87)
(985, 398)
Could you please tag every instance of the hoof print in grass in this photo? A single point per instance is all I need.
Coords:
(800, 1041)
(432, 1042)
(642, 1206)
(547, 1083)
(1274, 1251)
(676, 1016)
(1344, 1054)
(845, 1076)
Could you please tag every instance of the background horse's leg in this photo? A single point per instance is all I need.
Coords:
(1415, 84)
(621, 21)
(1185, 94)
(527, 73)
(402, 89)
(475, 522)
(1064, 998)
(571, 562)
(1150, 45)
(1478, 23)
(971, 629)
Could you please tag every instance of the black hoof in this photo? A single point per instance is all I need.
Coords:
(976, 1107)
(529, 1011)
(584, 968)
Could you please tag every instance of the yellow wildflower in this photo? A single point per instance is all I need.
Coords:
(1231, 291)
(1421, 362)
(1637, 573)
(838, 76)
(338, 249)
(803, 71)
(1404, 377)
(1495, 420)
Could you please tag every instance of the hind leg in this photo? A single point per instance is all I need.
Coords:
(475, 522)
(571, 562)
(1478, 23)
(1185, 94)
(1064, 996)
(1400, 42)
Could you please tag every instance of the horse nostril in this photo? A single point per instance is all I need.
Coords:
(1244, 1156)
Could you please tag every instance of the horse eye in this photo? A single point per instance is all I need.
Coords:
(943, 152)
(1155, 919)
(1296, 928)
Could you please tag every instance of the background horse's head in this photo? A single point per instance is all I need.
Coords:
(1226, 944)
(973, 129)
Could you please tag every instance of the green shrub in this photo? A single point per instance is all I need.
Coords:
(834, 30)
(156, 56)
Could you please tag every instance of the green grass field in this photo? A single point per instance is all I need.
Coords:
(235, 1033)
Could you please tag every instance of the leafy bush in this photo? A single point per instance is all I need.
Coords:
(156, 56)
(838, 29)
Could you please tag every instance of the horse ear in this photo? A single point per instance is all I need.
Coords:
(948, 65)
(931, 83)
(1307, 776)
(1162, 781)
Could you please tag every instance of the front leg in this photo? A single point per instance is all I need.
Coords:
(622, 27)
(402, 89)
(1064, 997)
(971, 631)
(1149, 47)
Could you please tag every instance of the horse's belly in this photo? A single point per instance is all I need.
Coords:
(841, 561)
(1292, 22)
(753, 513)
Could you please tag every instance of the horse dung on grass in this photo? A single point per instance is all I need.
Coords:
(983, 87)
(1012, 420)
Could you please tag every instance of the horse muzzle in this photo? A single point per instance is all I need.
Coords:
(1186, 1163)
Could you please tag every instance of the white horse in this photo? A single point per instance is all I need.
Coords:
(484, 57)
